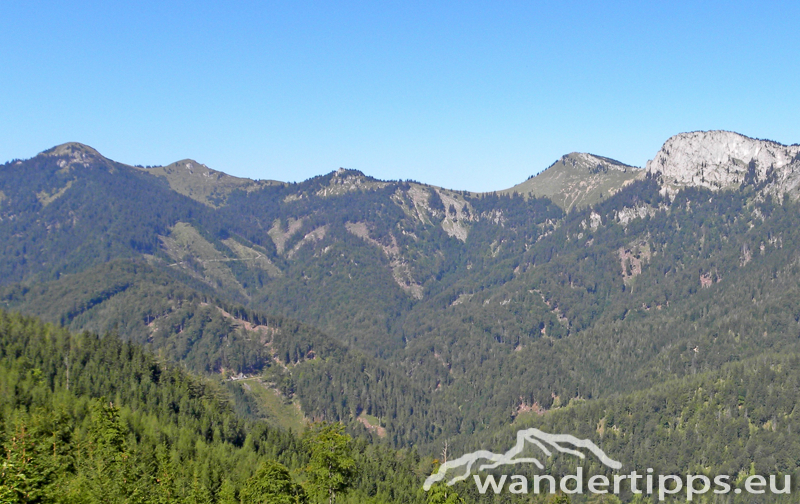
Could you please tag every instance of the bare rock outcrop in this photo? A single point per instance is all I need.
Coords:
(724, 159)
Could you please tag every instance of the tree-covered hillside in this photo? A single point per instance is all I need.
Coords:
(90, 419)
(294, 364)
(410, 313)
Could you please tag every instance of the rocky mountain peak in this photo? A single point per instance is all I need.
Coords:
(723, 159)
(592, 163)
(345, 180)
(189, 167)
(74, 155)
(73, 149)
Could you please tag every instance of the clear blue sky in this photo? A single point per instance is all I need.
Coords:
(468, 95)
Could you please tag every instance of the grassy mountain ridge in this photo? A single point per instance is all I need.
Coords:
(578, 180)
(201, 183)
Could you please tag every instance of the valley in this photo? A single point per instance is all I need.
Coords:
(653, 309)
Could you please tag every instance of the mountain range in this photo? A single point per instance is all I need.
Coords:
(415, 313)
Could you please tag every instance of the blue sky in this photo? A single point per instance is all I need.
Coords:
(467, 95)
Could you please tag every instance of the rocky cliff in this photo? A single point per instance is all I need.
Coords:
(724, 159)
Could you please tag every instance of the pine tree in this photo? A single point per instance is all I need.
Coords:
(443, 494)
(227, 493)
(272, 484)
(332, 468)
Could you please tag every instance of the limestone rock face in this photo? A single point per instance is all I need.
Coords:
(723, 159)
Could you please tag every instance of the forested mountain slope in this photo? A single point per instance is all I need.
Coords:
(737, 421)
(478, 307)
(290, 364)
(89, 419)
(96, 419)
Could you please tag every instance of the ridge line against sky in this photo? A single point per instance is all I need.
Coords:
(471, 95)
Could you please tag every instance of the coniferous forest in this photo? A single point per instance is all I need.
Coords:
(168, 336)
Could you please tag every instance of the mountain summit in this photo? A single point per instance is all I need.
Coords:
(73, 149)
(201, 183)
(579, 179)
(74, 154)
(724, 160)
